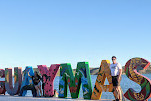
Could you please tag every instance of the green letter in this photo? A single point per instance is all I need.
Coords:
(67, 78)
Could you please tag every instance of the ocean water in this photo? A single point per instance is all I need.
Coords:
(125, 85)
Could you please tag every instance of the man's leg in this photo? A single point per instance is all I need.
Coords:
(117, 93)
(39, 86)
(115, 83)
(21, 92)
(36, 87)
(43, 89)
(119, 90)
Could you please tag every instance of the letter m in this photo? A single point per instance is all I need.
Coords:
(82, 76)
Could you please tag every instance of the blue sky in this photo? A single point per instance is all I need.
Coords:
(35, 32)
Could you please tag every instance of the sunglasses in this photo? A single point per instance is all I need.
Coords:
(113, 59)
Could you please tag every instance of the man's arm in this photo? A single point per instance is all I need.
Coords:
(120, 72)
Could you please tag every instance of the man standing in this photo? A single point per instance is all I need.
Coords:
(116, 72)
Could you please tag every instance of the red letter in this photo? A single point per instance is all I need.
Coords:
(144, 82)
(48, 78)
(2, 83)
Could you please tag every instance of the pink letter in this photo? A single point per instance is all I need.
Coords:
(48, 78)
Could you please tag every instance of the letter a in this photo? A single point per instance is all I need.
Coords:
(99, 87)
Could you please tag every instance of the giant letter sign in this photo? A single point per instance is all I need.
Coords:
(99, 87)
(2, 83)
(9, 81)
(27, 83)
(48, 78)
(82, 75)
(144, 82)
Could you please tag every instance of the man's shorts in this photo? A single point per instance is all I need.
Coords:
(115, 81)
(39, 84)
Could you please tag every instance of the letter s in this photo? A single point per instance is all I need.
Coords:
(144, 82)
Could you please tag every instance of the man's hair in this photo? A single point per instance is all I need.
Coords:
(113, 57)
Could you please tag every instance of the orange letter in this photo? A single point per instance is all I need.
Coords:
(99, 87)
